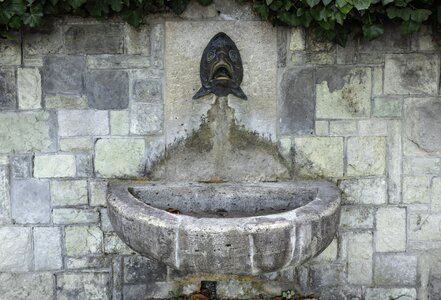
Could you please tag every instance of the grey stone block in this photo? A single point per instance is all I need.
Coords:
(391, 293)
(83, 240)
(5, 199)
(435, 287)
(63, 74)
(146, 118)
(149, 91)
(15, 249)
(88, 262)
(30, 201)
(74, 216)
(83, 123)
(44, 40)
(84, 163)
(83, 286)
(94, 39)
(8, 92)
(108, 89)
(27, 286)
(47, 248)
(21, 166)
(297, 102)
(138, 269)
(395, 269)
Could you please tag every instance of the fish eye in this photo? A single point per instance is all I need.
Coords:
(211, 55)
(234, 55)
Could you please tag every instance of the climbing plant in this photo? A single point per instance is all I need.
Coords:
(334, 19)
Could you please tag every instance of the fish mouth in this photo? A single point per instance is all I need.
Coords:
(222, 71)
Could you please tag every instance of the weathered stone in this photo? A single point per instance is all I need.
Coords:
(5, 200)
(88, 262)
(366, 156)
(119, 157)
(30, 201)
(67, 193)
(98, 190)
(21, 166)
(114, 245)
(29, 88)
(424, 227)
(149, 91)
(416, 189)
(8, 94)
(106, 226)
(138, 269)
(321, 128)
(390, 234)
(83, 286)
(387, 107)
(84, 163)
(41, 41)
(83, 122)
(355, 217)
(297, 102)
(93, 39)
(360, 258)
(327, 275)
(364, 191)
(196, 11)
(425, 39)
(421, 165)
(343, 93)
(65, 102)
(63, 74)
(108, 89)
(27, 286)
(15, 249)
(390, 293)
(230, 10)
(76, 144)
(146, 118)
(377, 82)
(329, 254)
(282, 46)
(393, 39)
(319, 156)
(423, 273)
(395, 269)
(119, 122)
(343, 128)
(54, 165)
(435, 287)
(137, 40)
(10, 52)
(106, 62)
(47, 248)
(74, 216)
(157, 37)
(411, 74)
(436, 194)
(297, 39)
(394, 166)
(372, 127)
(83, 240)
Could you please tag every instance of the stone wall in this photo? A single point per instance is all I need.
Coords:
(82, 101)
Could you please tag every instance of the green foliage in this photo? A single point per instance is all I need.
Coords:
(334, 19)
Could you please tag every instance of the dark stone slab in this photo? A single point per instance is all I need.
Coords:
(297, 102)
(138, 269)
(63, 74)
(149, 91)
(94, 39)
(8, 94)
(30, 201)
(21, 166)
(108, 89)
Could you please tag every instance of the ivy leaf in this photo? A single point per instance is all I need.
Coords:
(410, 26)
(326, 2)
(116, 5)
(15, 22)
(133, 17)
(312, 3)
(420, 15)
(372, 31)
(53, 2)
(32, 19)
(386, 2)
(319, 13)
(5, 16)
(268, 2)
(76, 3)
(262, 10)
(18, 7)
(362, 4)
(401, 3)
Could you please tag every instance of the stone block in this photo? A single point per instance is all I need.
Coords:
(119, 122)
(63, 74)
(8, 93)
(10, 52)
(436, 194)
(76, 144)
(106, 62)
(47, 248)
(411, 74)
(319, 156)
(421, 165)
(377, 81)
(296, 104)
(374, 127)
(425, 227)
(54, 165)
(329, 254)
(196, 11)
(88, 262)
(138, 269)
(29, 88)
(30, 201)
(393, 39)
(137, 40)
(98, 190)
(68, 193)
(395, 270)
(157, 37)
(360, 258)
(27, 286)
(84, 164)
(83, 286)
(93, 38)
(21, 166)
(65, 102)
(387, 107)
(366, 156)
(146, 118)
(119, 157)
(354, 217)
(327, 275)
(425, 39)
(364, 191)
(83, 122)
(149, 91)
(15, 249)
(416, 189)
(297, 39)
(65, 216)
(83, 240)
(114, 245)
(343, 93)
(391, 293)
(108, 89)
(5, 199)
(394, 165)
(106, 226)
(44, 40)
(343, 128)
(321, 128)
(390, 233)
(435, 287)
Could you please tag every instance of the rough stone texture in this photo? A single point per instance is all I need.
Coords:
(29, 88)
(416, 189)
(108, 89)
(68, 193)
(83, 240)
(360, 258)
(137, 40)
(5, 199)
(343, 128)
(343, 93)
(421, 165)
(114, 245)
(394, 152)
(94, 39)
(65, 102)
(411, 74)
(98, 191)
(8, 93)
(88, 262)
(356, 217)
(105, 62)
(424, 227)
(84, 163)
(436, 194)
(63, 74)
(83, 286)
(47, 248)
(296, 107)
(57, 165)
(321, 128)
(119, 122)
(146, 118)
(387, 107)
(395, 270)
(390, 293)
(140, 269)
(319, 156)
(366, 156)
(119, 157)
(46, 39)
(10, 52)
(372, 127)
(74, 216)
(21, 166)
(149, 91)
(76, 144)
(15, 249)
(30, 201)
(27, 286)
(390, 234)
(83, 123)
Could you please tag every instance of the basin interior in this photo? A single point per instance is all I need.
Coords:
(223, 200)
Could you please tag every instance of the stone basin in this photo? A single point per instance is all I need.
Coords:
(226, 228)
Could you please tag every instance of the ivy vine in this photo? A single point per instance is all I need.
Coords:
(334, 19)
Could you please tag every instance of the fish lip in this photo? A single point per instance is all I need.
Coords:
(217, 66)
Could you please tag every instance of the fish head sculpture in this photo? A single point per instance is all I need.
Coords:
(221, 69)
